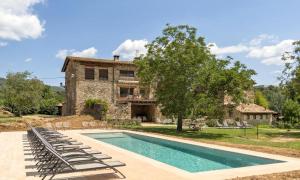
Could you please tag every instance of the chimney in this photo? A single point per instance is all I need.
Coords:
(116, 57)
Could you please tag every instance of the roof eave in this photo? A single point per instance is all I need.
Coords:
(63, 69)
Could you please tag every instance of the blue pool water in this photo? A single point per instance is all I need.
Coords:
(188, 157)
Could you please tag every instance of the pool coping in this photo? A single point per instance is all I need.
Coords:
(289, 164)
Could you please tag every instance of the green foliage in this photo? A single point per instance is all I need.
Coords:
(291, 112)
(290, 79)
(188, 79)
(21, 95)
(260, 99)
(49, 106)
(90, 103)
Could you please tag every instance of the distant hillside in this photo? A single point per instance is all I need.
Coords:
(57, 88)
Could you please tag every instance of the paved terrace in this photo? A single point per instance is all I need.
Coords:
(13, 163)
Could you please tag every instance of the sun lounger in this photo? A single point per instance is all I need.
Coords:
(225, 125)
(51, 161)
(245, 123)
(219, 125)
(239, 125)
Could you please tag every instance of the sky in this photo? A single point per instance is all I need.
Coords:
(36, 35)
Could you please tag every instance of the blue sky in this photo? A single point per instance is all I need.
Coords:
(36, 35)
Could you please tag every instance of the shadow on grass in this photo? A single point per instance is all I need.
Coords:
(184, 133)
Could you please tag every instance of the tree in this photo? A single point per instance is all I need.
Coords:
(22, 95)
(274, 95)
(49, 101)
(260, 99)
(186, 77)
(291, 112)
(290, 79)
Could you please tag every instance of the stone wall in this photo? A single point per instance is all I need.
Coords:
(78, 89)
(120, 111)
(70, 89)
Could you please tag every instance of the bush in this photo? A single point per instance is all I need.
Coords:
(280, 125)
(90, 103)
(49, 106)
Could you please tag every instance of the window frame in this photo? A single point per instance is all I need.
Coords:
(86, 74)
(129, 91)
(127, 73)
(103, 78)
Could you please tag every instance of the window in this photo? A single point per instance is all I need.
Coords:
(125, 73)
(142, 92)
(103, 74)
(124, 92)
(248, 116)
(89, 73)
(261, 116)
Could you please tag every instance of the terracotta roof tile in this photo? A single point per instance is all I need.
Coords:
(253, 108)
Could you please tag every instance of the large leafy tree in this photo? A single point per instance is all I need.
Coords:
(290, 79)
(22, 94)
(291, 112)
(188, 79)
(274, 95)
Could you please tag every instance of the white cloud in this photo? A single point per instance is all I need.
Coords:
(227, 50)
(276, 60)
(257, 41)
(2, 44)
(28, 60)
(90, 52)
(272, 50)
(256, 49)
(17, 20)
(131, 48)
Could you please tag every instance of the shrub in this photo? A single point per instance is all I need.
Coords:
(49, 106)
(90, 103)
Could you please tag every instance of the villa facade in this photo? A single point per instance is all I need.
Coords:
(111, 80)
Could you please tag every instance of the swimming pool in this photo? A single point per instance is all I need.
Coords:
(191, 158)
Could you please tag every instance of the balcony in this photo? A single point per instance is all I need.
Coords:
(135, 99)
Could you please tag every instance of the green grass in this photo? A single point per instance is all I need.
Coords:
(235, 136)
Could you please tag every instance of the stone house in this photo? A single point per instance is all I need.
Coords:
(249, 112)
(111, 80)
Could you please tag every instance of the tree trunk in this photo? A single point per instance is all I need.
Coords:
(179, 123)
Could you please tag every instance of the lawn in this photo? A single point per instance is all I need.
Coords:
(270, 137)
